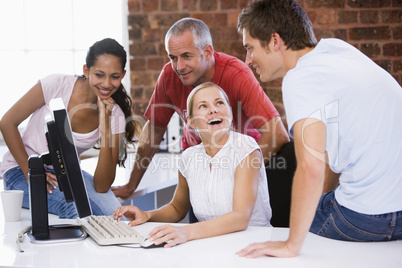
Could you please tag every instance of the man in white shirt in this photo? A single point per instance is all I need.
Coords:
(343, 112)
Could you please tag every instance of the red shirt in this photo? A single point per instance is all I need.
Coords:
(251, 107)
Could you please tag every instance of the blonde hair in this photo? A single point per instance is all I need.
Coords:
(190, 98)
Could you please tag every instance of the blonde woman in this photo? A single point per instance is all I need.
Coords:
(223, 178)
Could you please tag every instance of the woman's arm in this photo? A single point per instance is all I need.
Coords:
(109, 149)
(9, 123)
(244, 197)
(105, 171)
(175, 211)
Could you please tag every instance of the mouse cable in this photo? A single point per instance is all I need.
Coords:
(20, 237)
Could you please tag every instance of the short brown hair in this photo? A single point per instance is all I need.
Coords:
(262, 18)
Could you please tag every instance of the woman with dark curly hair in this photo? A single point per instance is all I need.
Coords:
(99, 110)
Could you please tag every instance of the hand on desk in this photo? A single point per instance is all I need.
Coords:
(169, 234)
(269, 248)
(172, 235)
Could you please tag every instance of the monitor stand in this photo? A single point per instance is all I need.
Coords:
(41, 232)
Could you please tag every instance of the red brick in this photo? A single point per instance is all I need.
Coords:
(232, 19)
(274, 94)
(162, 50)
(190, 5)
(167, 20)
(215, 33)
(222, 46)
(214, 19)
(138, 21)
(340, 33)
(243, 3)
(369, 16)
(330, 33)
(398, 78)
(397, 66)
(280, 108)
(208, 5)
(370, 50)
(169, 5)
(135, 34)
(139, 107)
(133, 6)
(155, 63)
(385, 64)
(149, 91)
(397, 3)
(397, 32)
(392, 49)
(345, 17)
(150, 5)
(392, 16)
(369, 3)
(326, 3)
(228, 4)
(137, 64)
(141, 78)
(326, 17)
(143, 49)
(275, 84)
(312, 15)
(224, 33)
(238, 50)
(151, 35)
(137, 93)
(370, 33)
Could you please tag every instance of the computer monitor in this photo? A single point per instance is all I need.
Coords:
(63, 157)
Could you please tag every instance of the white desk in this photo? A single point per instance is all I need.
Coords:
(161, 173)
(206, 253)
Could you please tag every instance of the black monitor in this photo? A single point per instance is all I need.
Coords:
(63, 157)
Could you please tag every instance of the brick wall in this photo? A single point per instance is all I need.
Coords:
(373, 26)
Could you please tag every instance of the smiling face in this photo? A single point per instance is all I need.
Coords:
(189, 62)
(105, 75)
(265, 60)
(211, 114)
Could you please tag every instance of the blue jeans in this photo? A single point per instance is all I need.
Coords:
(337, 222)
(101, 203)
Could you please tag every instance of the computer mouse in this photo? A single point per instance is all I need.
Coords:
(150, 244)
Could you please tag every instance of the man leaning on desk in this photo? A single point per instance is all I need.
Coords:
(343, 111)
(193, 61)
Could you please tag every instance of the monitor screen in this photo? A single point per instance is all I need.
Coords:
(64, 158)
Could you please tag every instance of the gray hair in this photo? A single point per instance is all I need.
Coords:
(200, 31)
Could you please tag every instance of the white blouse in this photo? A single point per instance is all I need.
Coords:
(211, 180)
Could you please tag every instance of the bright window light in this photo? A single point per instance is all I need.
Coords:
(42, 37)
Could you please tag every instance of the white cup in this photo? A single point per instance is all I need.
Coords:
(12, 203)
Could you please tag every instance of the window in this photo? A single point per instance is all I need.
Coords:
(42, 37)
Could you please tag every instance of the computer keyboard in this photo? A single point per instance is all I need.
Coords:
(105, 230)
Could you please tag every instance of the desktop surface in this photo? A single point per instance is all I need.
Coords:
(161, 173)
(211, 252)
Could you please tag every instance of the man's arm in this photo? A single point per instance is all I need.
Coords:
(308, 183)
(310, 139)
(150, 138)
(273, 137)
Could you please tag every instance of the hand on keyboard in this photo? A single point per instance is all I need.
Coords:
(105, 230)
